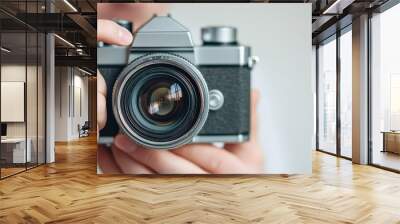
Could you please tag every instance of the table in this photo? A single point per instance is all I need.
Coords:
(13, 150)
(391, 141)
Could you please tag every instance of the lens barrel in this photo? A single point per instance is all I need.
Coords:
(160, 101)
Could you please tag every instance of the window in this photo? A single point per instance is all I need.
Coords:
(327, 97)
(346, 94)
(334, 138)
(385, 89)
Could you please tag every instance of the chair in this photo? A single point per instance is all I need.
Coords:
(84, 129)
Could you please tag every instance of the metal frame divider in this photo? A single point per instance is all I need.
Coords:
(338, 98)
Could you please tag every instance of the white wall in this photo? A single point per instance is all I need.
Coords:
(80, 83)
(68, 81)
(33, 126)
(280, 34)
(17, 73)
(61, 104)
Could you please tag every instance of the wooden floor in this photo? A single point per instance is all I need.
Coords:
(5, 172)
(69, 191)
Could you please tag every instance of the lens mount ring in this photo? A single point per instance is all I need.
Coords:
(131, 70)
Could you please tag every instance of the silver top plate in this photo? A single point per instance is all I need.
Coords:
(222, 55)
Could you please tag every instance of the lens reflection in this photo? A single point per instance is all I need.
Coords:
(163, 99)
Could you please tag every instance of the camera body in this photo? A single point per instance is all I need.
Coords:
(166, 92)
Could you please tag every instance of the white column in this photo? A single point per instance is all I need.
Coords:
(50, 92)
(50, 98)
(360, 90)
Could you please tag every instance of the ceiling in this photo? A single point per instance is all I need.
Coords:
(72, 20)
(57, 5)
(15, 42)
(332, 15)
(75, 21)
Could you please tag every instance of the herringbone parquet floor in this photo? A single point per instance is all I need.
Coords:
(69, 191)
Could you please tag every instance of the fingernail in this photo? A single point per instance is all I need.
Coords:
(125, 36)
(125, 144)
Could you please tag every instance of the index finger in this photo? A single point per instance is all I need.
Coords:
(111, 33)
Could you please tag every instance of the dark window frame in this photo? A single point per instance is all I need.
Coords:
(334, 37)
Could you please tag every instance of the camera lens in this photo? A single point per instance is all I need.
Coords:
(160, 102)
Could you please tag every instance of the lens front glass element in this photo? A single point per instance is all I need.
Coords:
(161, 102)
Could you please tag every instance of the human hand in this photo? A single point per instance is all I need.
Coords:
(111, 33)
(127, 157)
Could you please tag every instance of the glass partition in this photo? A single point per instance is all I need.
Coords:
(22, 101)
(15, 150)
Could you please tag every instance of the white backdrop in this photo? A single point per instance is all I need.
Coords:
(280, 34)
